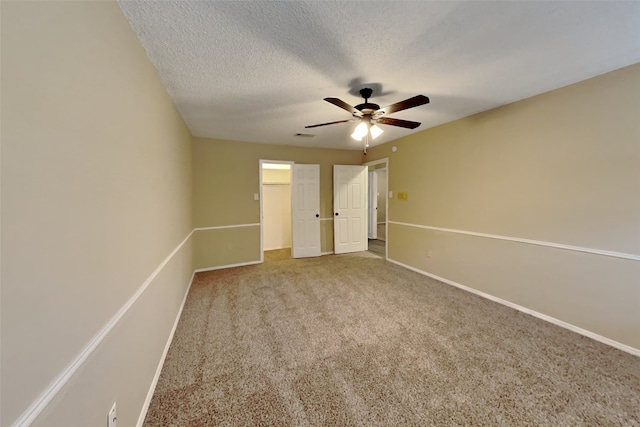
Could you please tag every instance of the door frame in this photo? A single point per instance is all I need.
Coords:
(384, 161)
(260, 163)
(372, 204)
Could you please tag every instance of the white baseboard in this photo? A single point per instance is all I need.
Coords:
(326, 253)
(562, 324)
(220, 267)
(41, 402)
(222, 227)
(156, 377)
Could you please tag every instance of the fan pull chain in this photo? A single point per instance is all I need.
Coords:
(366, 142)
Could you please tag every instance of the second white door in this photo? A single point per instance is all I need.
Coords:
(349, 208)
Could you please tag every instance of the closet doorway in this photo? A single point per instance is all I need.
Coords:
(275, 178)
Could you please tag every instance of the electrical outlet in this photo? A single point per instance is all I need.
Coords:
(112, 417)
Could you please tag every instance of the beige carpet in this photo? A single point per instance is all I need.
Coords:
(351, 340)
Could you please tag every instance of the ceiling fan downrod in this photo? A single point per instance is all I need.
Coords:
(366, 94)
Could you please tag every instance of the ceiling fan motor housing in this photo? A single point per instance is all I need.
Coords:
(367, 107)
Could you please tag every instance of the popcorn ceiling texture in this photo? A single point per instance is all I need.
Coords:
(372, 344)
(258, 70)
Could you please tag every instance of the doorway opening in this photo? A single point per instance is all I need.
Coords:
(275, 209)
(378, 206)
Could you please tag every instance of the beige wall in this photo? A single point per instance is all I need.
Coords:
(562, 167)
(276, 216)
(226, 176)
(382, 195)
(96, 194)
(226, 246)
(276, 208)
(276, 176)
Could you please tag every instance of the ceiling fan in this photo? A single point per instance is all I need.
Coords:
(370, 115)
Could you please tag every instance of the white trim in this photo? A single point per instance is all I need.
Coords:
(527, 241)
(261, 196)
(327, 219)
(386, 204)
(41, 402)
(220, 267)
(277, 249)
(156, 377)
(276, 166)
(569, 326)
(326, 253)
(378, 162)
(220, 227)
(261, 164)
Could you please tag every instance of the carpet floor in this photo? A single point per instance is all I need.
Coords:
(352, 340)
(377, 247)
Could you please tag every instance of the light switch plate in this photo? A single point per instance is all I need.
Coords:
(391, 194)
(256, 196)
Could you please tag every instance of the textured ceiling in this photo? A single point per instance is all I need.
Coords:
(258, 70)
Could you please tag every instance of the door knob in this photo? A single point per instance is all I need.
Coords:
(317, 215)
(337, 214)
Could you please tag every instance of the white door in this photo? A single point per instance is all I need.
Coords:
(349, 208)
(305, 205)
(373, 205)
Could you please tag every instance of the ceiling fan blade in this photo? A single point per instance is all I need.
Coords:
(340, 103)
(330, 123)
(403, 105)
(397, 122)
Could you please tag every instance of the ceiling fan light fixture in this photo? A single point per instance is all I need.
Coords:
(369, 114)
(375, 131)
(360, 131)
